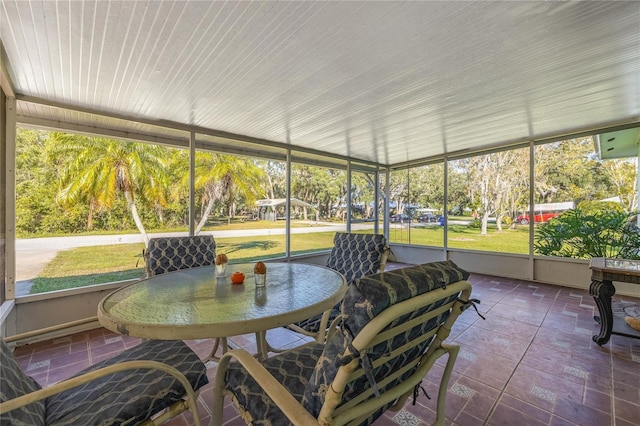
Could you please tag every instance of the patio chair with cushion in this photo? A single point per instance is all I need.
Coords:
(168, 254)
(146, 384)
(354, 256)
(391, 332)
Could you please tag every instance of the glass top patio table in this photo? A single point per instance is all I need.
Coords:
(194, 304)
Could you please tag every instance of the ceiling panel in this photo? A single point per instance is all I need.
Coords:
(386, 82)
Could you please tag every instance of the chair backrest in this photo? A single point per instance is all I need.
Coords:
(393, 326)
(357, 255)
(167, 254)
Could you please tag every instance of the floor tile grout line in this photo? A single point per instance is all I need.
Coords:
(613, 389)
(529, 346)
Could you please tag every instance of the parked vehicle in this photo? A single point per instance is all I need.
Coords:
(524, 219)
(402, 218)
(545, 212)
(427, 217)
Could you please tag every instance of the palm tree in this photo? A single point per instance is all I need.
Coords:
(100, 168)
(222, 178)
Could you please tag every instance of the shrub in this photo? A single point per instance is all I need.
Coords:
(475, 224)
(592, 229)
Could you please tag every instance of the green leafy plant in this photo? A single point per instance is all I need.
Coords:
(592, 229)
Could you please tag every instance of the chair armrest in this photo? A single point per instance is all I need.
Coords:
(291, 408)
(105, 371)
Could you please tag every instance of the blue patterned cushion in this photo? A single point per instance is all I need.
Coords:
(14, 383)
(292, 368)
(131, 396)
(388, 288)
(354, 256)
(364, 300)
(174, 253)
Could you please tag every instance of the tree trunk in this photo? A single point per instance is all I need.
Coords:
(213, 192)
(205, 216)
(485, 220)
(90, 216)
(270, 183)
(136, 217)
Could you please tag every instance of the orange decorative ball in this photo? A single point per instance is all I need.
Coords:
(260, 268)
(237, 278)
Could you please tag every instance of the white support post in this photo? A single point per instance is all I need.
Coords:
(10, 198)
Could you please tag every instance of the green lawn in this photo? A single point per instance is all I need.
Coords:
(101, 264)
(464, 237)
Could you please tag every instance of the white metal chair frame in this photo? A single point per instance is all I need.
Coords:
(172, 411)
(337, 412)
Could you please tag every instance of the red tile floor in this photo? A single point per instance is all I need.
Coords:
(531, 362)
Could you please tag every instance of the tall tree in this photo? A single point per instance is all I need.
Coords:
(568, 170)
(482, 169)
(362, 194)
(427, 186)
(35, 201)
(99, 169)
(220, 178)
(623, 177)
(510, 181)
(321, 186)
(497, 178)
(276, 178)
(399, 189)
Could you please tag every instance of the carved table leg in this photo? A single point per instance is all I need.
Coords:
(602, 291)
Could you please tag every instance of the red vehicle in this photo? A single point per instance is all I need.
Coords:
(538, 217)
(545, 212)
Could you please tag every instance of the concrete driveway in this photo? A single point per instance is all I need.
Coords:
(32, 254)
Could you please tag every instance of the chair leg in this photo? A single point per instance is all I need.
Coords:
(219, 341)
(444, 382)
(263, 345)
(324, 323)
(218, 392)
